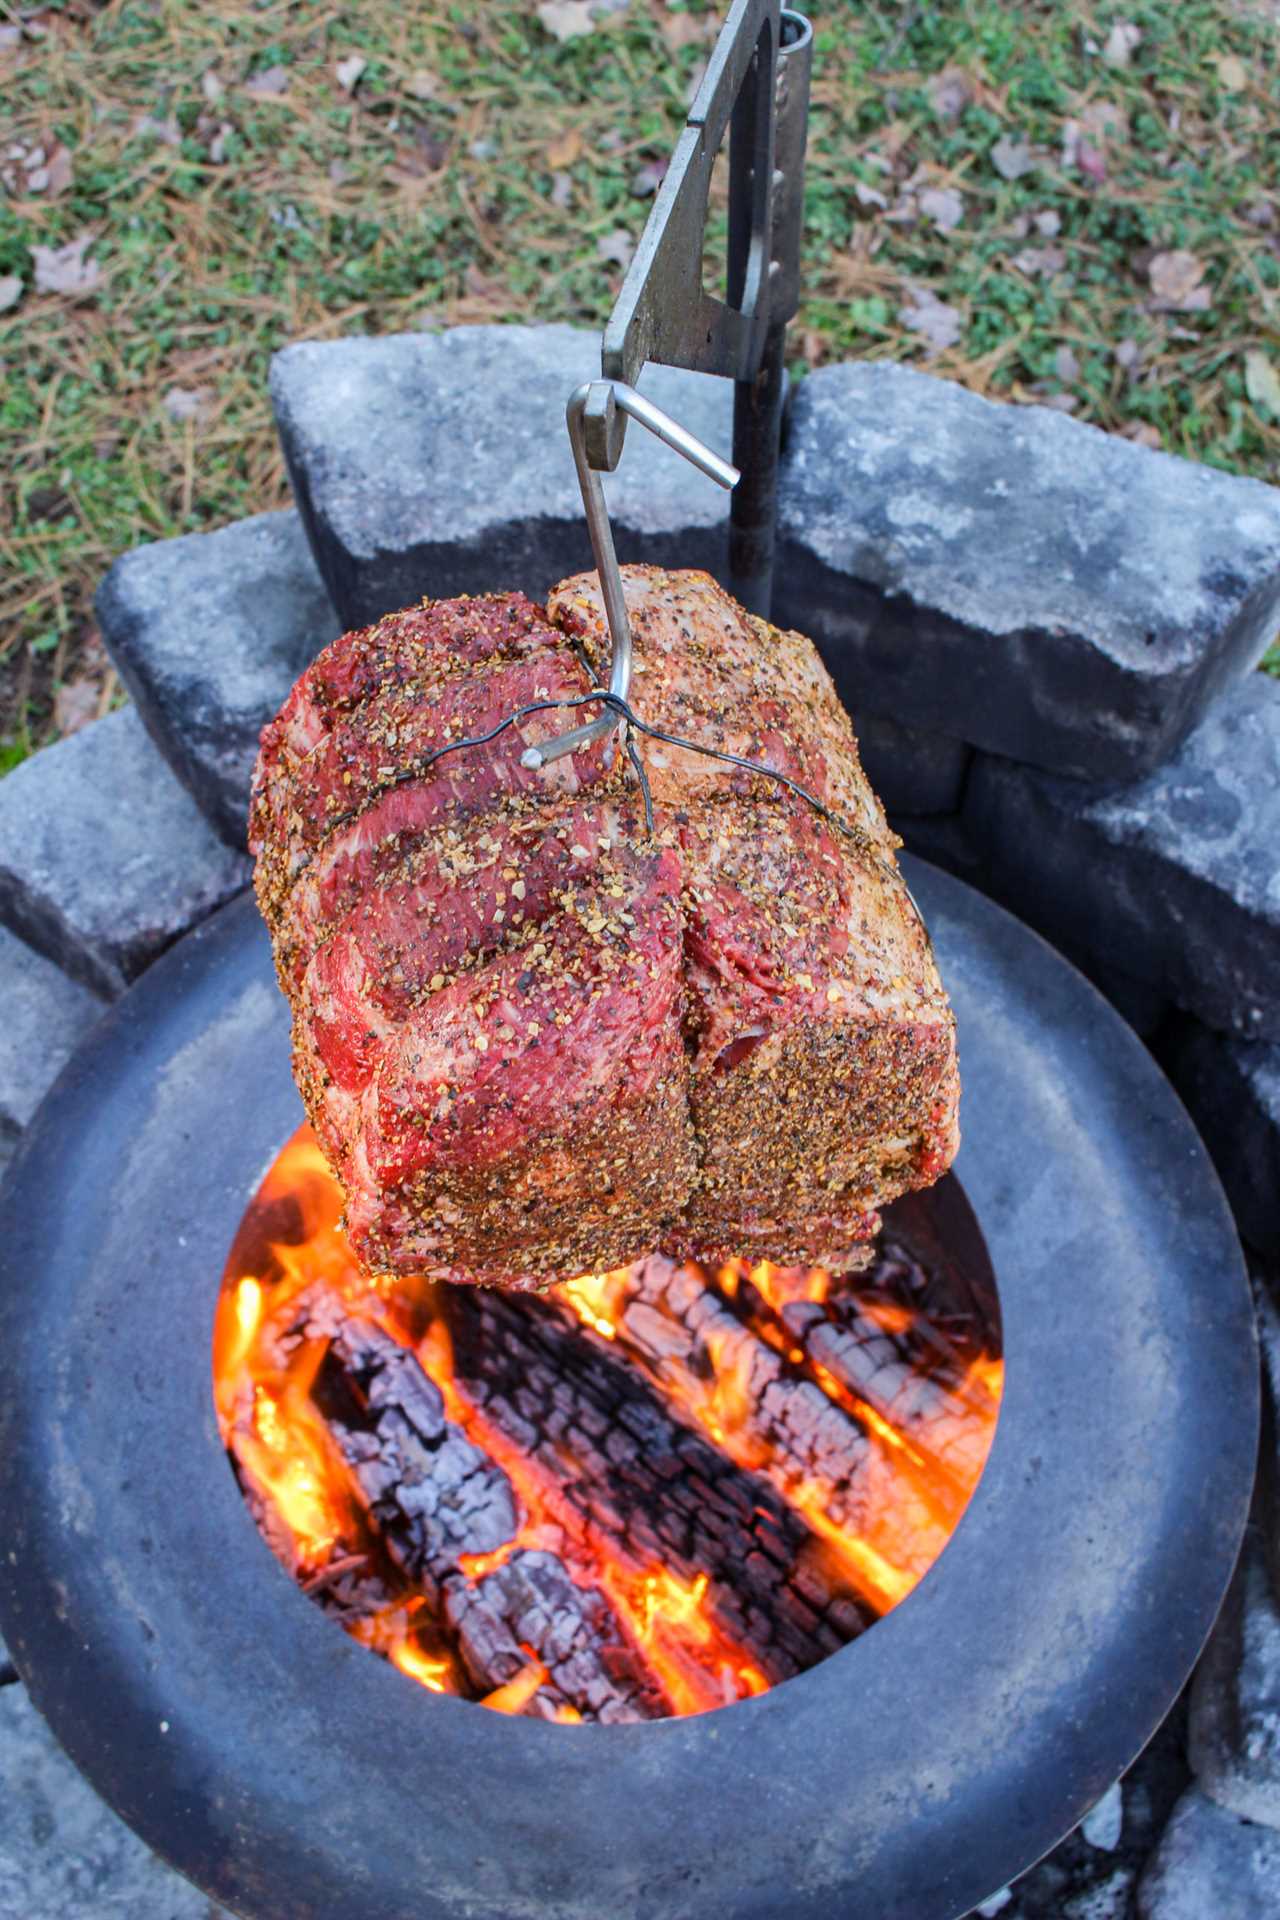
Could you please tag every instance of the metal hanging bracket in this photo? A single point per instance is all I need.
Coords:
(756, 90)
(608, 403)
(755, 93)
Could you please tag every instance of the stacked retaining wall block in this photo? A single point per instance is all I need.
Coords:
(1046, 638)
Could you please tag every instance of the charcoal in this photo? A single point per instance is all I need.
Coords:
(1015, 578)
(742, 1522)
(429, 1492)
(530, 1605)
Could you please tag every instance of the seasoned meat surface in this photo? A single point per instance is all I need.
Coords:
(536, 1039)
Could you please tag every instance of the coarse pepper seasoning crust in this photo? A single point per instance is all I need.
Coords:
(536, 1039)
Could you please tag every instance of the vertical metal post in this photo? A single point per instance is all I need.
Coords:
(758, 403)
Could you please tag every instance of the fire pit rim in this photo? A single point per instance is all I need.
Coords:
(92, 1622)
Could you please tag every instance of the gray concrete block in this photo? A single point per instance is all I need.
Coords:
(1008, 575)
(104, 858)
(1234, 1728)
(209, 632)
(1174, 879)
(63, 1854)
(1267, 1295)
(1231, 1089)
(439, 464)
(45, 1017)
(912, 771)
(942, 839)
(1211, 1866)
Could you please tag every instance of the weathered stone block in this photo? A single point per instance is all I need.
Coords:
(440, 464)
(1174, 879)
(104, 857)
(1267, 1295)
(1232, 1091)
(942, 839)
(45, 1017)
(1211, 1866)
(912, 771)
(1003, 573)
(1235, 1699)
(63, 1854)
(209, 632)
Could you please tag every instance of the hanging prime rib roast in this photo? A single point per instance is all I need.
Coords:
(536, 1039)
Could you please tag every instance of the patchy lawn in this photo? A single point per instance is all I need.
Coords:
(1054, 200)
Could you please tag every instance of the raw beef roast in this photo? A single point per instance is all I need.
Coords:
(535, 1039)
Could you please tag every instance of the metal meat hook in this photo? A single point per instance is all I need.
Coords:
(601, 400)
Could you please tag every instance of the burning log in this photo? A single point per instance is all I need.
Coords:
(654, 1491)
(529, 1614)
(623, 1474)
(429, 1494)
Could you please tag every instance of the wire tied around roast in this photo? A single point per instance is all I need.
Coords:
(627, 713)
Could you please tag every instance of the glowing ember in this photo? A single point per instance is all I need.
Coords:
(656, 1491)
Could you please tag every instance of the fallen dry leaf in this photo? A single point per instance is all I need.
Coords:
(1060, 402)
(1128, 355)
(1040, 261)
(1065, 365)
(65, 270)
(1262, 383)
(1011, 157)
(567, 19)
(1104, 120)
(617, 246)
(688, 29)
(186, 403)
(565, 148)
(271, 81)
(648, 178)
(347, 72)
(1143, 432)
(868, 196)
(424, 85)
(1176, 283)
(167, 132)
(1091, 160)
(10, 291)
(75, 704)
(58, 171)
(1233, 73)
(1122, 43)
(944, 206)
(950, 92)
(939, 325)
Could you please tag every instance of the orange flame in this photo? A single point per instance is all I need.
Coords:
(516, 1694)
(924, 1424)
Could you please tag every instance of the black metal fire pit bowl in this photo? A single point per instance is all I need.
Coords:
(295, 1776)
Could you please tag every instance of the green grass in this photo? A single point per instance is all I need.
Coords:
(472, 176)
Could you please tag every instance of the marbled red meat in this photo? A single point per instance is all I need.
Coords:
(534, 1038)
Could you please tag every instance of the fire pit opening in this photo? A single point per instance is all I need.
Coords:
(644, 1493)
